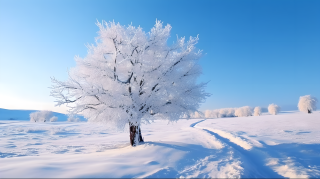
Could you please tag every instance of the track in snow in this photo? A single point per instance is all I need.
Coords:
(253, 160)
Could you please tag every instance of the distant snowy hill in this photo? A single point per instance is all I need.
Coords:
(24, 115)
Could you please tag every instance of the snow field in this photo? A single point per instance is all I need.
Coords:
(283, 145)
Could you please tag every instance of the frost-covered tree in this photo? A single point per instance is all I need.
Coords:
(226, 112)
(208, 114)
(307, 104)
(215, 113)
(53, 119)
(131, 76)
(211, 114)
(198, 115)
(273, 109)
(257, 111)
(73, 119)
(244, 111)
(220, 113)
(42, 116)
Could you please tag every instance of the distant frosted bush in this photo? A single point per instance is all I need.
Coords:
(185, 116)
(207, 114)
(54, 119)
(244, 111)
(191, 115)
(257, 111)
(73, 119)
(220, 113)
(307, 104)
(215, 113)
(42, 116)
(197, 115)
(223, 113)
(227, 112)
(273, 109)
(212, 114)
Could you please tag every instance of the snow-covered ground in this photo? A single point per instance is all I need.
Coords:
(285, 145)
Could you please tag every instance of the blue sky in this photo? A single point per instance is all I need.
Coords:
(256, 52)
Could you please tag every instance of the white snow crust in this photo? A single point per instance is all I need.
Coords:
(277, 146)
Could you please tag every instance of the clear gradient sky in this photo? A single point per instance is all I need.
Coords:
(256, 52)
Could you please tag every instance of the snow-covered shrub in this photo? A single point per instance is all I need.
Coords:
(244, 111)
(198, 115)
(212, 113)
(54, 119)
(183, 116)
(257, 111)
(42, 116)
(207, 114)
(220, 113)
(231, 112)
(307, 104)
(215, 113)
(186, 116)
(226, 112)
(73, 119)
(273, 109)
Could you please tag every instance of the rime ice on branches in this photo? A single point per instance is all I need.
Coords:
(130, 76)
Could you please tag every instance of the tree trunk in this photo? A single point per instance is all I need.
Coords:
(135, 134)
(309, 111)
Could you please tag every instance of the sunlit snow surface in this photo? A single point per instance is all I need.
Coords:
(285, 145)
